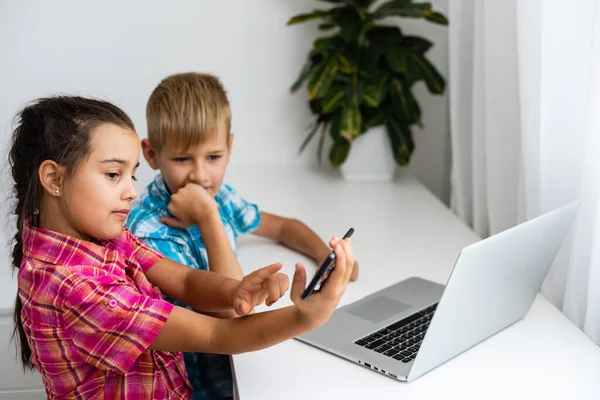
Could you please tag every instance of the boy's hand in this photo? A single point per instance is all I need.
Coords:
(263, 285)
(317, 309)
(190, 206)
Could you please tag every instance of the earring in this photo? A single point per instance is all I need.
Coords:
(56, 191)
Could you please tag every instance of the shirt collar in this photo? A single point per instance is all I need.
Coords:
(159, 190)
(59, 249)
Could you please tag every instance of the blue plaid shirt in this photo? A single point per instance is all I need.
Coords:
(209, 374)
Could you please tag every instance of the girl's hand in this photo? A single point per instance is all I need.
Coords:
(317, 309)
(354, 275)
(263, 285)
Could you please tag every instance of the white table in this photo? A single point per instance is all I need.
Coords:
(401, 231)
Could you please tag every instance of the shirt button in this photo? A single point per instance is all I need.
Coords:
(112, 303)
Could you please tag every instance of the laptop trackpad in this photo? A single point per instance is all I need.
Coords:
(378, 308)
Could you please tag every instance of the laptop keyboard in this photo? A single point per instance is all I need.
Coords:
(400, 340)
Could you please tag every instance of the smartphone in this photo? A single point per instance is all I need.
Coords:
(323, 271)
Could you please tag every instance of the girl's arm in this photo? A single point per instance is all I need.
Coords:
(210, 292)
(295, 235)
(188, 331)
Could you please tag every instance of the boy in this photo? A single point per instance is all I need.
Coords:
(189, 141)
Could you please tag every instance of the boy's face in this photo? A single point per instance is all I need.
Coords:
(204, 164)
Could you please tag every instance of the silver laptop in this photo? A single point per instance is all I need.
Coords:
(408, 329)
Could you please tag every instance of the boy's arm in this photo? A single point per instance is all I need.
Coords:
(221, 257)
(192, 205)
(295, 235)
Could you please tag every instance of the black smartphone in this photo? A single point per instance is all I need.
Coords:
(323, 271)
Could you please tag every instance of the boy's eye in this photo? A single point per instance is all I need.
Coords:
(181, 159)
(214, 157)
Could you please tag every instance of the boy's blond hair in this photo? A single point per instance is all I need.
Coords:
(186, 109)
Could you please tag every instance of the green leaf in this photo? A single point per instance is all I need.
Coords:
(374, 119)
(355, 90)
(350, 31)
(340, 147)
(350, 123)
(371, 96)
(369, 60)
(316, 56)
(324, 127)
(310, 135)
(438, 18)
(372, 93)
(344, 64)
(315, 107)
(384, 36)
(406, 8)
(363, 3)
(401, 99)
(350, 23)
(332, 101)
(396, 59)
(403, 8)
(338, 153)
(336, 125)
(421, 68)
(316, 14)
(401, 139)
(321, 79)
(415, 44)
(306, 70)
(327, 43)
(325, 26)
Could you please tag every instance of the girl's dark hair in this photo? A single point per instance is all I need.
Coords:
(57, 129)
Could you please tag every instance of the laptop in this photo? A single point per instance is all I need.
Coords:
(412, 327)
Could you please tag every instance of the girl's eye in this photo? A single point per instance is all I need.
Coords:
(134, 178)
(112, 175)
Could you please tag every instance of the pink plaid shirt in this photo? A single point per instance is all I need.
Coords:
(90, 315)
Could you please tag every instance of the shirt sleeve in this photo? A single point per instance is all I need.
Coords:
(243, 216)
(144, 254)
(111, 324)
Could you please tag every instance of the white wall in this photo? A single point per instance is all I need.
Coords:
(431, 159)
(119, 50)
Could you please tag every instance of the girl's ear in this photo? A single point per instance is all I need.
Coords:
(51, 177)
(150, 154)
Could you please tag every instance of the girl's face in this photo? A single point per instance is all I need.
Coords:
(96, 200)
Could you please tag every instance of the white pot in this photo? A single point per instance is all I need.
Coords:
(370, 158)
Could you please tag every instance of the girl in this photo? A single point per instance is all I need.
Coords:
(89, 311)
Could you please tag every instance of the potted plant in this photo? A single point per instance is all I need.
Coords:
(360, 78)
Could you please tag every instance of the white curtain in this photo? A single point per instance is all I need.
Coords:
(525, 122)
